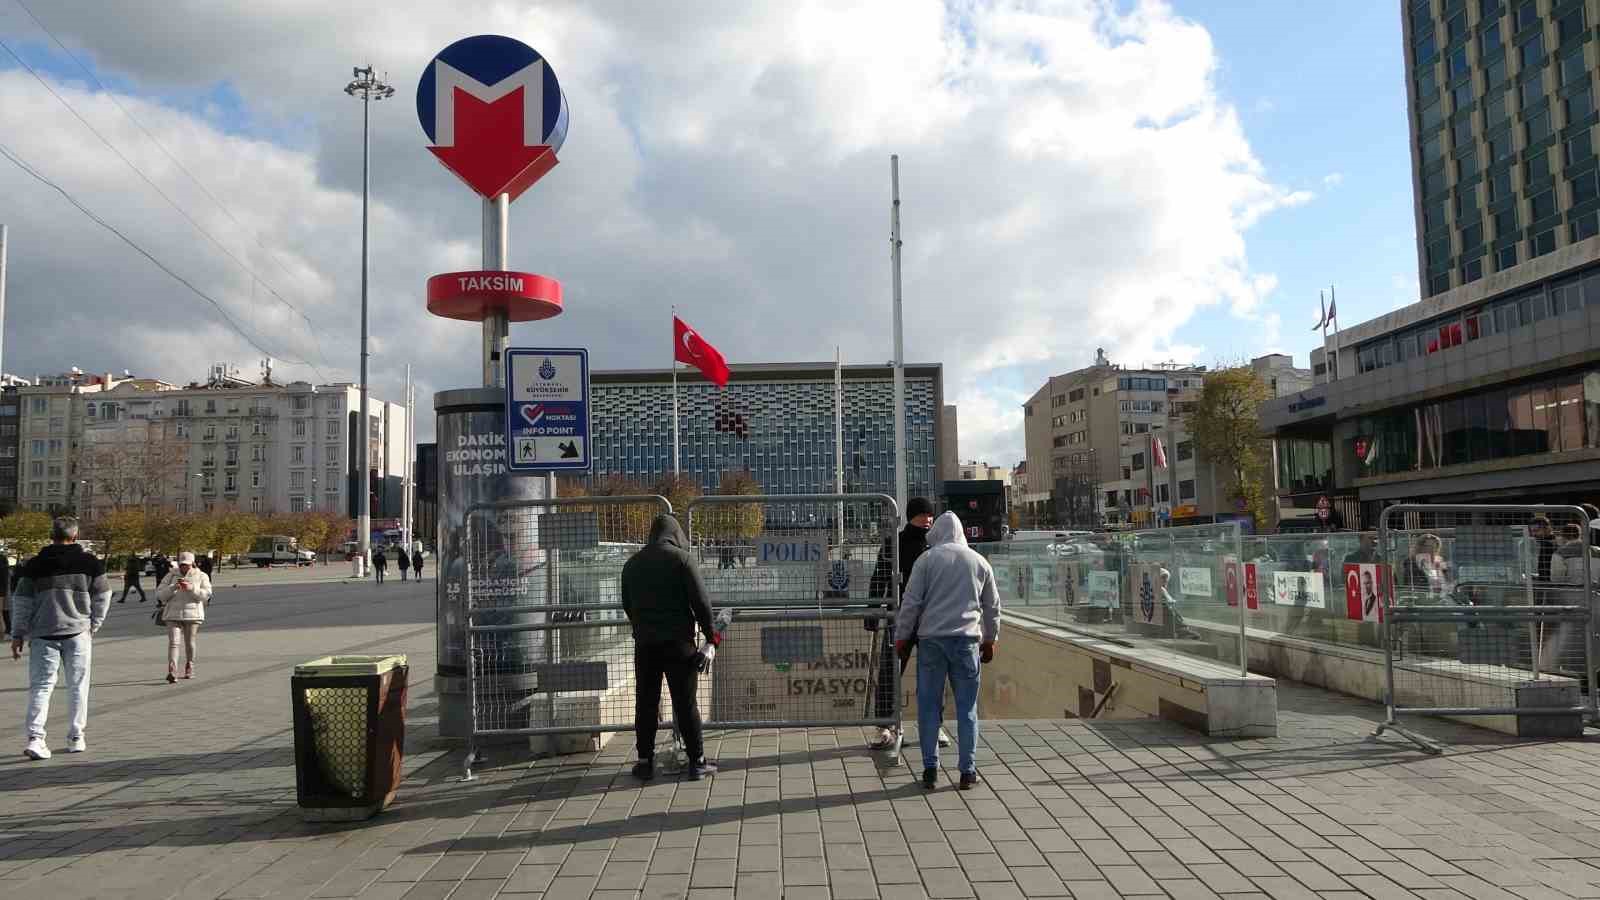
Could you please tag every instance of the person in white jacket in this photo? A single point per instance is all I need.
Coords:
(952, 608)
(183, 596)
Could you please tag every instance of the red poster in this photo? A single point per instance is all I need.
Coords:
(1231, 578)
(1365, 589)
(1252, 596)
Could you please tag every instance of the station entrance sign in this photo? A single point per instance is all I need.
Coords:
(547, 409)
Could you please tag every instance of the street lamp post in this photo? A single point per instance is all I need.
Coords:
(366, 87)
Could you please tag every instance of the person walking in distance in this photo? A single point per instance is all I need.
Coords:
(380, 564)
(403, 559)
(665, 601)
(183, 598)
(130, 578)
(913, 540)
(951, 608)
(60, 601)
(416, 561)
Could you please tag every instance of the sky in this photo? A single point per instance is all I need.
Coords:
(1171, 181)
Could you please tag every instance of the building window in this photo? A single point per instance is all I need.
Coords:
(1585, 187)
(255, 504)
(210, 433)
(58, 424)
(1162, 494)
(1472, 270)
(1186, 490)
(1505, 225)
(1458, 63)
(297, 481)
(1542, 243)
(37, 447)
(1574, 68)
(1138, 462)
(258, 454)
(232, 433)
(230, 483)
(56, 446)
(255, 478)
(299, 402)
(258, 428)
(211, 406)
(1580, 106)
(1185, 450)
(1570, 26)
(300, 428)
(232, 457)
(333, 428)
(1578, 148)
(38, 406)
(1471, 237)
(297, 455)
(36, 469)
(89, 410)
(1538, 126)
(1543, 206)
(1537, 169)
(1532, 51)
(1585, 227)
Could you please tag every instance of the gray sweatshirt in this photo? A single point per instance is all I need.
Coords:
(952, 589)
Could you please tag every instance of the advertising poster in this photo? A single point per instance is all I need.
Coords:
(1252, 589)
(1298, 589)
(805, 670)
(1230, 578)
(1148, 607)
(1043, 588)
(1365, 591)
(1195, 581)
(1069, 586)
(1104, 589)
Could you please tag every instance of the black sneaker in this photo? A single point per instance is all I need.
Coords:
(702, 769)
(930, 778)
(969, 780)
(644, 769)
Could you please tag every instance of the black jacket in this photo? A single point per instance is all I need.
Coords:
(913, 542)
(662, 592)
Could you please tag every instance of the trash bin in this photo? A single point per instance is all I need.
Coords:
(349, 734)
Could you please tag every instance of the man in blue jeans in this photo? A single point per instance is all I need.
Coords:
(952, 608)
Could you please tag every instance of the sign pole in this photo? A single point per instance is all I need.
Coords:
(899, 340)
(496, 250)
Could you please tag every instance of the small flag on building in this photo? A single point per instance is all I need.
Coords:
(1158, 453)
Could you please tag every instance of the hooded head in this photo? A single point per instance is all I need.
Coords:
(946, 530)
(665, 531)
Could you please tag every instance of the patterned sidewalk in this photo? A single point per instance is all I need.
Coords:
(189, 791)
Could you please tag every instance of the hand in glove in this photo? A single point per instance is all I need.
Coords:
(986, 652)
(902, 649)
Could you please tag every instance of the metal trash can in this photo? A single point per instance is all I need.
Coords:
(349, 734)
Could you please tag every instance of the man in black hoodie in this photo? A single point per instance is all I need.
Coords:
(665, 601)
(913, 542)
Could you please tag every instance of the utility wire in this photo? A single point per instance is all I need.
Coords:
(157, 188)
(22, 164)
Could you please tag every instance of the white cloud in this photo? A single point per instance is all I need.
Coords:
(1071, 177)
(1333, 179)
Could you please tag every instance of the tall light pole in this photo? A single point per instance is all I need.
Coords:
(366, 87)
(899, 341)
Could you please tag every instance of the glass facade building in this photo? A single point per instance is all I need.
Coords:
(775, 421)
(1502, 121)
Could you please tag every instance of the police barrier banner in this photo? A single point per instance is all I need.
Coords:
(799, 666)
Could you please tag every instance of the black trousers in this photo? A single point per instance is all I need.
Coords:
(132, 586)
(675, 661)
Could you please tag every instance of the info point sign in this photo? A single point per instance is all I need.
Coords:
(547, 409)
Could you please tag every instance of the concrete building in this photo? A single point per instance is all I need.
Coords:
(949, 445)
(775, 420)
(1090, 437)
(973, 470)
(1487, 389)
(1280, 374)
(96, 443)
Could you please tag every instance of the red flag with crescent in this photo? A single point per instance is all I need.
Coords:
(690, 348)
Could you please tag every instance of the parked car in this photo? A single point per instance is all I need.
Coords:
(279, 548)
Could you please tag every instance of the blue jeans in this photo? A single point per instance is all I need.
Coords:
(955, 658)
(45, 658)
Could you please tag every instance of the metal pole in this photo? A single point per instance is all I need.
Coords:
(899, 340)
(364, 450)
(3, 234)
(676, 470)
(838, 438)
(496, 251)
(406, 479)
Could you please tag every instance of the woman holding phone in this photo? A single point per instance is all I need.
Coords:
(183, 595)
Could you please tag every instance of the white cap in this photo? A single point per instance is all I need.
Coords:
(186, 557)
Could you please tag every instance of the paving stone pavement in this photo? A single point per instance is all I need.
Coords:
(188, 791)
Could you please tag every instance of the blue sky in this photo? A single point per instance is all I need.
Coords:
(1320, 90)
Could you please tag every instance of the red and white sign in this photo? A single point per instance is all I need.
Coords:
(471, 296)
(1366, 589)
(1252, 593)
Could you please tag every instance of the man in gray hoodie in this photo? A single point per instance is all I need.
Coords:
(61, 600)
(952, 608)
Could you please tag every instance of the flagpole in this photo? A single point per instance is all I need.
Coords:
(676, 469)
(1333, 306)
(838, 437)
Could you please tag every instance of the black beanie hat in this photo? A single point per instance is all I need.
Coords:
(918, 506)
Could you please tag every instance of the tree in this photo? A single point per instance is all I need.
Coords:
(1226, 427)
(732, 520)
(627, 523)
(133, 465)
(25, 532)
(680, 491)
(235, 531)
(121, 531)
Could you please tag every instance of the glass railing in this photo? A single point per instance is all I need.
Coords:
(1175, 588)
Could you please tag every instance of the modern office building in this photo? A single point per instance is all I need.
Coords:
(1488, 388)
(949, 444)
(1090, 438)
(774, 420)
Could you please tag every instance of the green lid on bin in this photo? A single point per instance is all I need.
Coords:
(346, 666)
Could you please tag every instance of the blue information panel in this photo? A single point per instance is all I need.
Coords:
(547, 409)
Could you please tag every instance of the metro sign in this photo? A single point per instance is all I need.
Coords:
(494, 112)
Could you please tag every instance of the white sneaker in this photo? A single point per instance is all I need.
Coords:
(76, 745)
(885, 739)
(36, 749)
(944, 738)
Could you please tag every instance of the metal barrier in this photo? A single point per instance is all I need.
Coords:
(812, 581)
(549, 648)
(1502, 627)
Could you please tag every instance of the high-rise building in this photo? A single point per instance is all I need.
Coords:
(1487, 388)
(774, 420)
(1502, 153)
(949, 445)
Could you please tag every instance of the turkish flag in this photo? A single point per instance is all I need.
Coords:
(689, 347)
